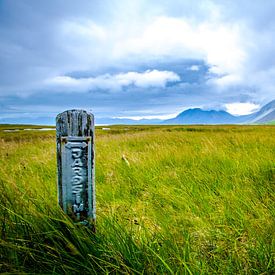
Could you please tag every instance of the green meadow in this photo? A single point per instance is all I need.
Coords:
(170, 200)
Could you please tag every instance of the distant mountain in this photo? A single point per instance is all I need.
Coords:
(191, 116)
(199, 116)
(266, 114)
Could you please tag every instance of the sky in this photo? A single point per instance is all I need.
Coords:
(135, 59)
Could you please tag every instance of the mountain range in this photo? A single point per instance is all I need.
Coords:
(190, 116)
(199, 116)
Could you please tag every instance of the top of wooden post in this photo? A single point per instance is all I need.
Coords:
(74, 122)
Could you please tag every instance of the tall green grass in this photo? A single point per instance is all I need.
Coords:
(171, 199)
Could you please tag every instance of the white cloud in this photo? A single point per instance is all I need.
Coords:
(239, 108)
(86, 29)
(226, 81)
(194, 68)
(219, 45)
(147, 79)
(228, 44)
(153, 78)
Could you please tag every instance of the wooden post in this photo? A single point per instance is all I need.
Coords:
(75, 162)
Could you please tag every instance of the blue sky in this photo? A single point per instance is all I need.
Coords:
(139, 59)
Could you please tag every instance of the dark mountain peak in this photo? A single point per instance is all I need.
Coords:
(202, 112)
(199, 116)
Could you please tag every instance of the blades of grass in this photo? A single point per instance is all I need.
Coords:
(162, 260)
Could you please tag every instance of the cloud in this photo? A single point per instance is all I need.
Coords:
(83, 29)
(153, 78)
(128, 57)
(194, 68)
(219, 45)
(241, 108)
(226, 81)
(147, 79)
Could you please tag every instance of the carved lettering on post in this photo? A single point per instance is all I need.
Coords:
(75, 161)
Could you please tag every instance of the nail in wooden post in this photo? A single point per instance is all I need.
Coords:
(75, 162)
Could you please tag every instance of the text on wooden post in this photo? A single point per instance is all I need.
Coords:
(75, 160)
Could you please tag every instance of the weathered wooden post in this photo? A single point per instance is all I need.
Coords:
(75, 162)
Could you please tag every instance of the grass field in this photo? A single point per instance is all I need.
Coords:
(170, 199)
